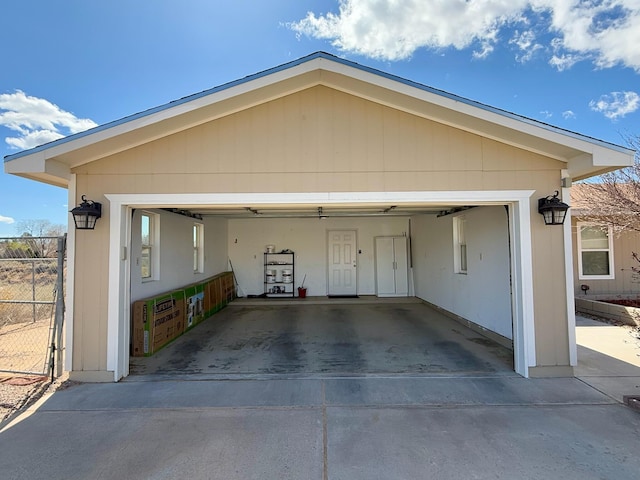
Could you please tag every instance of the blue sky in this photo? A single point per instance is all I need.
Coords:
(70, 65)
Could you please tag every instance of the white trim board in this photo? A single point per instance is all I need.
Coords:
(568, 273)
(70, 286)
(119, 264)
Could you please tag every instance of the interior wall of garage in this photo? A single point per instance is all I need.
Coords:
(482, 295)
(307, 237)
(176, 252)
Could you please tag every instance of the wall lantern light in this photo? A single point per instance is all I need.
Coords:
(86, 214)
(552, 209)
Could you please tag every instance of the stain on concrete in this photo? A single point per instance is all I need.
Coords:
(285, 346)
(482, 341)
(341, 339)
(461, 358)
(339, 350)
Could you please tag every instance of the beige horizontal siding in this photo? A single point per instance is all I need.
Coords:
(317, 131)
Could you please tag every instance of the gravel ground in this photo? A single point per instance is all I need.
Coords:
(18, 392)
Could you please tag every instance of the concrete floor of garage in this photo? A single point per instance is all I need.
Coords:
(361, 336)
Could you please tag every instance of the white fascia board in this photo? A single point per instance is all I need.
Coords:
(604, 157)
(601, 160)
(37, 167)
(34, 163)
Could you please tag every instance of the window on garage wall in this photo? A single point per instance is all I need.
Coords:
(198, 248)
(460, 244)
(595, 251)
(149, 256)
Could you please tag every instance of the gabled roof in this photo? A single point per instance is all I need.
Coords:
(52, 162)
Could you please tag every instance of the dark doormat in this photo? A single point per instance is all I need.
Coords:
(342, 296)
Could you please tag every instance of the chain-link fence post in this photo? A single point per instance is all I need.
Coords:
(59, 316)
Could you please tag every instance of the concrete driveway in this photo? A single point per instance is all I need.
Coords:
(327, 427)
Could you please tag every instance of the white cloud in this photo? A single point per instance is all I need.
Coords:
(392, 30)
(568, 115)
(564, 61)
(7, 220)
(546, 113)
(616, 104)
(36, 120)
(33, 139)
(605, 32)
(526, 43)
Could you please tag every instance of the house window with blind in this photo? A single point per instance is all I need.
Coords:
(595, 251)
(459, 245)
(149, 254)
(198, 248)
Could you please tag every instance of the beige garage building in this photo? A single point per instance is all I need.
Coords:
(338, 163)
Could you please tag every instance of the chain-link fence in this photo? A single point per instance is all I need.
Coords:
(31, 303)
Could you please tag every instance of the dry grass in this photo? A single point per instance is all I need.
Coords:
(25, 327)
(24, 346)
(22, 281)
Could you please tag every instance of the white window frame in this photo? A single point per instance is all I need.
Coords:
(198, 247)
(153, 245)
(609, 229)
(460, 253)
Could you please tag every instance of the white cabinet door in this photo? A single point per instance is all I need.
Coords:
(391, 267)
(402, 266)
(385, 278)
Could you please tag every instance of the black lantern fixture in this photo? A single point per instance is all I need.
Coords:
(86, 214)
(552, 209)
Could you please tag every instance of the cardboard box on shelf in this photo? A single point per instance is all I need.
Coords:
(194, 299)
(157, 321)
(214, 292)
(208, 306)
(228, 287)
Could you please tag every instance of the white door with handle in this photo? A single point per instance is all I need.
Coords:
(342, 262)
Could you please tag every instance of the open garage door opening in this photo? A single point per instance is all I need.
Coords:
(328, 337)
(450, 312)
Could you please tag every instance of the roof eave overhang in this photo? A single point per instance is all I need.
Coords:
(599, 161)
(40, 168)
(53, 162)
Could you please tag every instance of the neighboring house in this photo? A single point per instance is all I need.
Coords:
(324, 157)
(603, 257)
